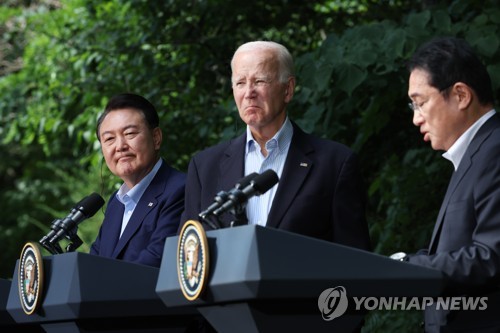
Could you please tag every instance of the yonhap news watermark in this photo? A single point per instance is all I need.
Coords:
(333, 303)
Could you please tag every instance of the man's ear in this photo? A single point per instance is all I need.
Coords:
(463, 94)
(289, 89)
(157, 137)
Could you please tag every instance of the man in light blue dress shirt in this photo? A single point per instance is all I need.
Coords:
(147, 207)
(320, 192)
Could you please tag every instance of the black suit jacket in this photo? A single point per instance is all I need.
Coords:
(465, 244)
(320, 193)
(156, 216)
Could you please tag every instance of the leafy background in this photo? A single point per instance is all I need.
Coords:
(60, 61)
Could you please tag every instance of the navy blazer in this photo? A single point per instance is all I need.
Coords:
(320, 193)
(156, 216)
(465, 244)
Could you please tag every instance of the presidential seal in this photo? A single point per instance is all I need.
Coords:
(30, 277)
(192, 259)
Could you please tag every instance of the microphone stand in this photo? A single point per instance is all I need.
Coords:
(213, 223)
(55, 248)
(50, 241)
(238, 212)
(46, 241)
(51, 247)
(240, 219)
(75, 241)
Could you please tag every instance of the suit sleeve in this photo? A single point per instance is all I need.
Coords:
(475, 264)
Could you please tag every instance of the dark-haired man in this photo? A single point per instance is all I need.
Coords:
(147, 207)
(452, 100)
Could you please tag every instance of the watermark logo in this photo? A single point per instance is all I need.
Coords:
(457, 303)
(333, 303)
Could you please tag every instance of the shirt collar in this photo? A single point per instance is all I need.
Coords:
(457, 150)
(282, 138)
(135, 193)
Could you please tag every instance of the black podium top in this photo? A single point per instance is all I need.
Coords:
(253, 262)
(80, 286)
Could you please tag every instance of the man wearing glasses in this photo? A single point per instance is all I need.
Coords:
(452, 100)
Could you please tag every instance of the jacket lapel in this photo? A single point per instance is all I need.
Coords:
(115, 211)
(145, 205)
(454, 181)
(297, 167)
(232, 166)
(483, 133)
(231, 170)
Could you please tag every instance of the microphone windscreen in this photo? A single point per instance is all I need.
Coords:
(265, 181)
(90, 204)
(245, 181)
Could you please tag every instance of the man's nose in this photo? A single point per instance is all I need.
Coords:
(250, 90)
(121, 144)
(417, 118)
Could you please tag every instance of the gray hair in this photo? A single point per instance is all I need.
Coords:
(285, 59)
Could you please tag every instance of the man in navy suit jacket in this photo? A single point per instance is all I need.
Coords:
(452, 101)
(147, 207)
(319, 193)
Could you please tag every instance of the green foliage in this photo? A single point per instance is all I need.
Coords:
(76, 54)
(353, 89)
(61, 63)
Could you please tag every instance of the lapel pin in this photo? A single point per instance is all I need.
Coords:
(150, 204)
(303, 164)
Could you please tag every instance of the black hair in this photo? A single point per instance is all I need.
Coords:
(132, 101)
(449, 60)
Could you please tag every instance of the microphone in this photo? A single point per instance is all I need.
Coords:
(84, 209)
(223, 196)
(237, 198)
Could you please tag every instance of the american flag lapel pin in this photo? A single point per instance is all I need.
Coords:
(303, 164)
